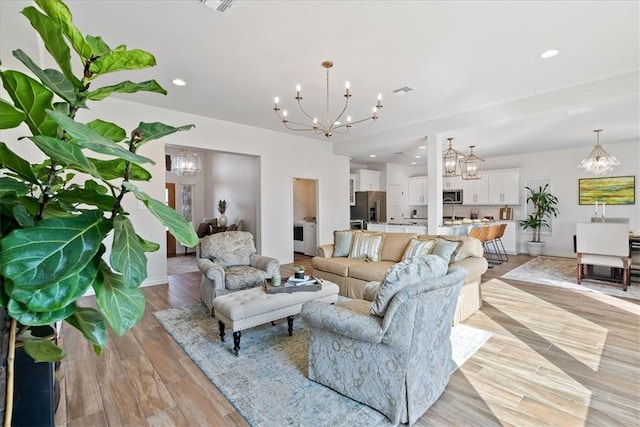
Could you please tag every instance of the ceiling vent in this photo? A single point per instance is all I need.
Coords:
(220, 6)
(403, 90)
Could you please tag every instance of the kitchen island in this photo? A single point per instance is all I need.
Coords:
(397, 227)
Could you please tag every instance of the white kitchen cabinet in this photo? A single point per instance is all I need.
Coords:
(418, 191)
(452, 183)
(352, 189)
(475, 191)
(367, 180)
(377, 227)
(398, 228)
(504, 187)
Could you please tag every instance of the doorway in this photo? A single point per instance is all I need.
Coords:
(170, 200)
(305, 216)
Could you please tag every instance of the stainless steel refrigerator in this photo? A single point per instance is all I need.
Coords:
(371, 206)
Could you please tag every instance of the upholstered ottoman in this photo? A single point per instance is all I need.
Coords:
(253, 307)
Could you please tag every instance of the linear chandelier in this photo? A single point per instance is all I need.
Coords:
(471, 166)
(329, 126)
(598, 162)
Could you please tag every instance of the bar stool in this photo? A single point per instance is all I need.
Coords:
(489, 242)
(498, 241)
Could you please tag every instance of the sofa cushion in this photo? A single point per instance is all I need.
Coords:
(243, 277)
(418, 247)
(394, 246)
(366, 246)
(370, 270)
(446, 249)
(470, 246)
(228, 248)
(407, 273)
(338, 266)
(342, 243)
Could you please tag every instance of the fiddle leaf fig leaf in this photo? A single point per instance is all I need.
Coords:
(126, 87)
(22, 314)
(53, 249)
(61, 15)
(112, 169)
(98, 46)
(51, 34)
(9, 186)
(88, 138)
(66, 153)
(135, 59)
(44, 351)
(150, 131)
(148, 246)
(22, 216)
(74, 196)
(108, 130)
(33, 99)
(177, 225)
(122, 305)
(92, 324)
(15, 163)
(59, 294)
(127, 254)
(54, 80)
(10, 116)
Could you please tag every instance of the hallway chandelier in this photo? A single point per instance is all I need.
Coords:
(329, 126)
(598, 161)
(451, 161)
(187, 163)
(471, 166)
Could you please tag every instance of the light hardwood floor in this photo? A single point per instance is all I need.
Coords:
(556, 357)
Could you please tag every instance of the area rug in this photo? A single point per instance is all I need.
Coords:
(562, 273)
(181, 265)
(267, 383)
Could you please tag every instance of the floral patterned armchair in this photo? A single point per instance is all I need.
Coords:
(393, 354)
(228, 262)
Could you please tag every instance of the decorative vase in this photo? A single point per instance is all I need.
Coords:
(535, 248)
(276, 279)
(222, 221)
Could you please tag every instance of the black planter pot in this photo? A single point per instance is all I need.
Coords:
(33, 392)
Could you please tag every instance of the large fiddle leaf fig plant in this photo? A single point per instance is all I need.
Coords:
(56, 214)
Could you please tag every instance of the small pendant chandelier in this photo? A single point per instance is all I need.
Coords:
(471, 166)
(598, 162)
(187, 163)
(451, 161)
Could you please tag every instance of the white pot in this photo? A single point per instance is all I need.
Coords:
(535, 248)
(222, 220)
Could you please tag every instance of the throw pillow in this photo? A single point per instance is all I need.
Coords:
(418, 247)
(366, 246)
(342, 243)
(411, 272)
(446, 250)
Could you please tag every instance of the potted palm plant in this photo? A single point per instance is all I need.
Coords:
(60, 212)
(544, 206)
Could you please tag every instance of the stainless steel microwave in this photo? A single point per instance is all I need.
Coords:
(452, 197)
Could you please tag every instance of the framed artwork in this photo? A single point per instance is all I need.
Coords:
(617, 190)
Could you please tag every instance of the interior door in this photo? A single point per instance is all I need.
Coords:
(170, 199)
(395, 203)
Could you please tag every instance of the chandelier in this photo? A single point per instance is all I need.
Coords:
(451, 161)
(329, 126)
(471, 166)
(598, 161)
(187, 163)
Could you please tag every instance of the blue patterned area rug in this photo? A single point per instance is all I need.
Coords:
(267, 383)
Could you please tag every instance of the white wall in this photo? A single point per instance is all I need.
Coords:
(561, 167)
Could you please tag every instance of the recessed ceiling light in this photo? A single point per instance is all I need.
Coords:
(580, 110)
(418, 157)
(423, 147)
(549, 53)
(372, 155)
(414, 163)
(179, 82)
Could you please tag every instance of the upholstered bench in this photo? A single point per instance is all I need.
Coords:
(253, 307)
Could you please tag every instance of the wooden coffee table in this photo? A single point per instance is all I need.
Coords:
(253, 307)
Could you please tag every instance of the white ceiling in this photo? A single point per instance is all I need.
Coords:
(475, 66)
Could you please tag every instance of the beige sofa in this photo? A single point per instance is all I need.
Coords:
(351, 275)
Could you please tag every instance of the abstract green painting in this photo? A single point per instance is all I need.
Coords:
(618, 190)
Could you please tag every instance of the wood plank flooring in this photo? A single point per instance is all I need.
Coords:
(556, 357)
